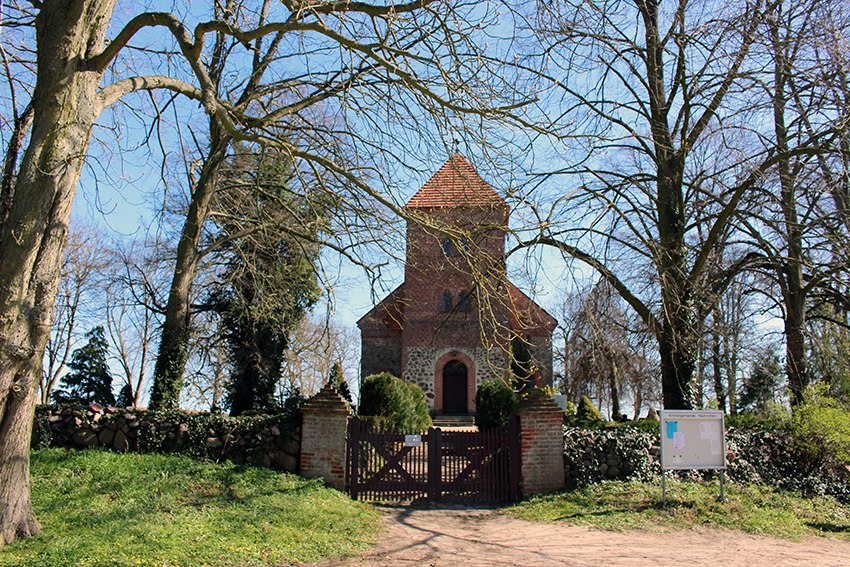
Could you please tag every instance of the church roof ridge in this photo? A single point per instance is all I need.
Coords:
(456, 184)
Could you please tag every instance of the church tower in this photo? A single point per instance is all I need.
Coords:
(449, 326)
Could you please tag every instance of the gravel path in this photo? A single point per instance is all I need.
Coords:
(483, 538)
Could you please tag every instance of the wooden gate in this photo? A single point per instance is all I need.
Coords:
(437, 465)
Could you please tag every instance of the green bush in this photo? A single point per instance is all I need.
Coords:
(402, 404)
(821, 425)
(495, 403)
(770, 455)
(586, 412)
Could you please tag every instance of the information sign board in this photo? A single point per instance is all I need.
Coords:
(693, 439)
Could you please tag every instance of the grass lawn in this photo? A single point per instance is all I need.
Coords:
(634, 505)
(100, 509)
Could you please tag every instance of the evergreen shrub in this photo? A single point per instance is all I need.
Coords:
(403, 405)
(586, 413)
(495, 403)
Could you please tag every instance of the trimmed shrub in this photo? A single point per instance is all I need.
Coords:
(586, 412)
(402, 404)
(495, 403)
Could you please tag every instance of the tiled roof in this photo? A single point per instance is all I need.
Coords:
(526, 315)
(456, 184)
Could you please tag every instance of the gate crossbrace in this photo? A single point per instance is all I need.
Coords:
(393, 462)
(475, 462)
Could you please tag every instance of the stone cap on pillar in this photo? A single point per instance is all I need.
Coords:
(538, 402)
(327, 401)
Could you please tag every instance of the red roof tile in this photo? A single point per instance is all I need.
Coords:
(456, 184)
(526, 315)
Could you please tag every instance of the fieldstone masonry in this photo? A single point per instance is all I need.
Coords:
(267, 441)
(323, 437)
(421, 362)
(542, 425)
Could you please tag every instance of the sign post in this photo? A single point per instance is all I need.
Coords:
(693, 439)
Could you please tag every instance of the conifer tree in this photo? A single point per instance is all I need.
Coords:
(89, 380)
(763, 382)
(337, 380)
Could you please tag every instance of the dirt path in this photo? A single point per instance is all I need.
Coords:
(483, 538)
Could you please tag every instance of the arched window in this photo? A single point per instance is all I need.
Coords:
(446, 301)
(463, 299)
(447, 247)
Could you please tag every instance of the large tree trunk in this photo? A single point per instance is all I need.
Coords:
(174, 345)
(795, 346)
(65, 107)
(678, 338)
(789, 269)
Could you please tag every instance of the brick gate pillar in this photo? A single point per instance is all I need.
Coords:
(542, 426)
(323, 430)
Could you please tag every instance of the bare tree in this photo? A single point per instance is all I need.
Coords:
(131, 316)
(80, 280)
(655, 107)
(419, 55)
(605, 360)
(315, 346)
(795, 228)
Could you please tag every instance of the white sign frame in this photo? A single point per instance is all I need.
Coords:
(412, 440)
(693, 439)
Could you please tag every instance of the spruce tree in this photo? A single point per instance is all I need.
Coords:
(89, 380)
(763, 382)
(336, 379)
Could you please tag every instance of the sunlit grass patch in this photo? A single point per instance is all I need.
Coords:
(102, 509)
(635, 505)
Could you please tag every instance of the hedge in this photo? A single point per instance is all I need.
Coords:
(630, 452)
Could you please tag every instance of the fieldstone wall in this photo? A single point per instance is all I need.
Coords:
(272, 441)
(421, 363)
(379, 354)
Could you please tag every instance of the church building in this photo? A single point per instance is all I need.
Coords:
(456, 321)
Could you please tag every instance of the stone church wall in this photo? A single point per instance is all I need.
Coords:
(380, 355)
(541, 353)
(421, 365)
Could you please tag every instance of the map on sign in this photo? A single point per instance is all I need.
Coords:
(693, 439)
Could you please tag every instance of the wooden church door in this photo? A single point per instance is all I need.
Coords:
(455, 387)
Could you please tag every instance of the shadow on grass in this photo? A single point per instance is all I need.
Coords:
(831, 528)
(635, 509)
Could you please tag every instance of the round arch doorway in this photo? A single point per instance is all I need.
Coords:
(455, 391)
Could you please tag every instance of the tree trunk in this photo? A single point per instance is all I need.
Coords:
(795, 346)
(717, 366)
(730, 352)
(790, 268)
(65, 108)
(677, 372)
(614, 385)
(678, 338)
(174, 345)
